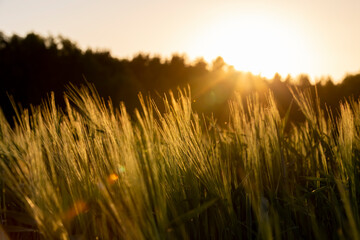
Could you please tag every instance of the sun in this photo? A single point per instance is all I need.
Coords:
(256, 43)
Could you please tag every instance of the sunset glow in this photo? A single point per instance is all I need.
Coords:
(318, 38)
(257, 44)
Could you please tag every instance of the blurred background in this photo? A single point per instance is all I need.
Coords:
(215, 47)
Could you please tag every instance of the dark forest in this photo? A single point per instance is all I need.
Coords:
(33, 66)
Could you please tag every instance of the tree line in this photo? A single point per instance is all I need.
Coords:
(33, 65)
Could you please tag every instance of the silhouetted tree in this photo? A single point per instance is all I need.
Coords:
(32, 66)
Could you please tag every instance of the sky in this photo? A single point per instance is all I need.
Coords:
(317, 37)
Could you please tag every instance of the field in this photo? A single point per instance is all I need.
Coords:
(94, 171)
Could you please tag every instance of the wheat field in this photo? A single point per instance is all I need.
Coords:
(94, 171)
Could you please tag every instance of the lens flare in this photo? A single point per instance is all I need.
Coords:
(112, 178)
(78, 207)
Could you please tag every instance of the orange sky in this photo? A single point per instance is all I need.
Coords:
(316, 37)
